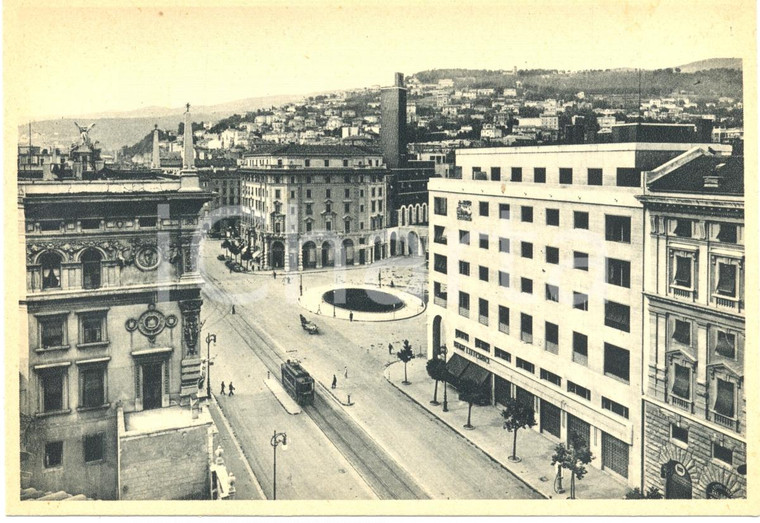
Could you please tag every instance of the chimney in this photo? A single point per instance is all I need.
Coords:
(713, 179)
(188, 180)
(399, 80)
(156, 160)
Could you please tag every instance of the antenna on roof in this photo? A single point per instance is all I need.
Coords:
(638, 110)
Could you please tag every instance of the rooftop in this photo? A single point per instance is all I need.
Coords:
(167, 418)
(704, 174)
(314, 150)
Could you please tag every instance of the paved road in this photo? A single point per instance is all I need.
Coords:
(442, 463)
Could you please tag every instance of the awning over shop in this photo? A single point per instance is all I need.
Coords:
(476, 374)
(456, 365)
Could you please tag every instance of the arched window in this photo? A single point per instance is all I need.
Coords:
(91, 269)
(51, 270)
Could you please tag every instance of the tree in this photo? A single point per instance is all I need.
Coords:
(436, 369)
(573, 458)
(469, 392)
(652, 493)
(406, 354)
(517, 415)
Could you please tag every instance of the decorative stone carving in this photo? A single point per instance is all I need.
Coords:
(147, 258)
(151, 323)
(70, 248)
(191, 310)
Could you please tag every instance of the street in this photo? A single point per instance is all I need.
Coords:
(383, 445)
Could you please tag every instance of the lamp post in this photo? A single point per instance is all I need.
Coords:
(279, 438)
(209, 338)
(445, 351)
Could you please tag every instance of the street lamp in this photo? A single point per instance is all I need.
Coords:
(279, 438)
(209, 338)
(445, 351)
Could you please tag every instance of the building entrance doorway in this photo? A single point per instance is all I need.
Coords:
(152, 385)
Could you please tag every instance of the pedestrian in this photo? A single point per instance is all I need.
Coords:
(223, 393)
(233, 309)
(274, 274)
(335, 381)
(319, 309)
(351, 316)
(390, 348)
(232, 389)
(345, 372)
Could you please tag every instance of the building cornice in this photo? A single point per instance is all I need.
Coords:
(709, 313)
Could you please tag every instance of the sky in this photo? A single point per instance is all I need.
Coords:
(85, 59)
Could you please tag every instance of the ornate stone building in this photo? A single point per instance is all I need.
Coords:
(111, 358)
(314, 206)
(694, 334)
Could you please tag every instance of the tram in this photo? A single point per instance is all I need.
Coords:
(298, 382)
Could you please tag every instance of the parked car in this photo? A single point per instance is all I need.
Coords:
(309, 326)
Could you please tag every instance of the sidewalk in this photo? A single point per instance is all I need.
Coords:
(535, 449)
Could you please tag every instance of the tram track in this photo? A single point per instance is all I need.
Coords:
(387, 479)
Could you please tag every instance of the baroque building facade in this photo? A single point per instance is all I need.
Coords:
(694, 327)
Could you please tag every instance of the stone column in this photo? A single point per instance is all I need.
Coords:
(265, 245)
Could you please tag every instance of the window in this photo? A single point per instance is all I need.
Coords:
(347, 225)
(464, 237)
(147, 221)
(683, 228)
(723, 454)
(440, 263)
(328, 226)
(50, 264)
(576, 389)
(345, 162)
(327, 163)
(526, 285)
(53, 454)
(539, 174)
(551, 335)
(504, 245)
(618, 228)
(552, 255)
(565, 175)
(728, 233)
(682, 276)
(439, 206)
(461, 335)
(464, 268)
(52, 384)
(439, 234)
(580, 220)
(552, 217)
(92, 327)
(483, 208)
(373, 205)
(361, 195)
(504, 319)
(516, 174)
(580, 348)
(681, 381)
(483, 311)
(504, 211)
(726, 280)
(616, 362)
(615, 407)
(525, 365)
(464, 304)
(92, 383)
(551, 377)
(725, 344)
(308, 193)
(292, 194)
(617, 316)
(309, 209)
(502, 355)
(483, 241)
(628, 177)
(724, 398)
(526, 328)
(90, 224)
(91, 269)
(93, 447)
(503, 279)
(619, 272)
(526, 213)
(679, 433)
(480, 344)
(552, 293)
(308, 226)
(682, 332)
(52, 332)
(380, 206)
(580, 301)
(594, 176)
(526, 249)
(476, 173)
(580, 260)
(495, 174)
(277, 194)
(346, 207)
(483, 273)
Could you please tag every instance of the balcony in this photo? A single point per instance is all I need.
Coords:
(440, 301)
(727, 302)
(681, 403)
(681, 292)
(725, 421)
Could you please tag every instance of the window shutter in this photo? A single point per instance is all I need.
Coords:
(724, 400)
(682, 382)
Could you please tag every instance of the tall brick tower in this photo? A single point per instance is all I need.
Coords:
(393, 120)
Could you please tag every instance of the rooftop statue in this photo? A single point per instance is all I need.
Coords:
(83, 132)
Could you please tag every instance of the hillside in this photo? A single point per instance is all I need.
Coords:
(712, 63)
